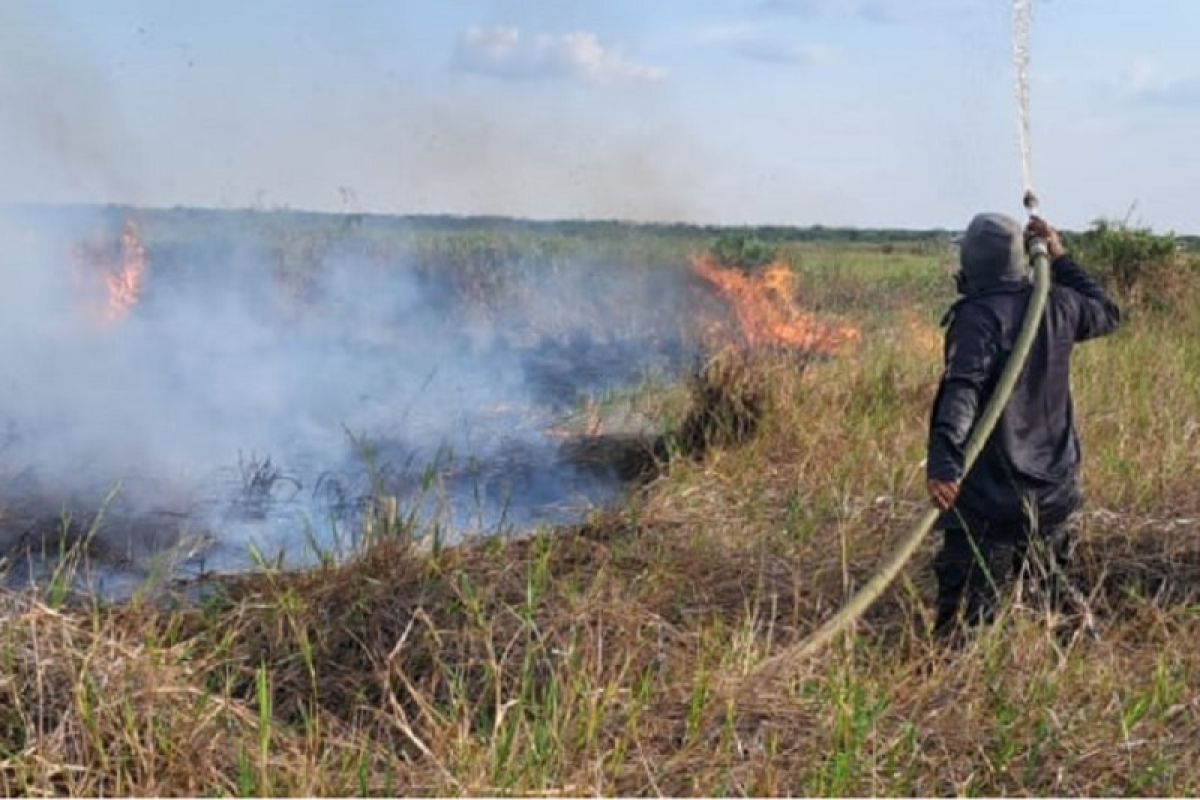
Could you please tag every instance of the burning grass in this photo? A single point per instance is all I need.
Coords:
(609, 658)
(119, 270)
(764, 305)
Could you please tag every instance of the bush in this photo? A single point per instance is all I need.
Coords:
(737, 250)
(1141, 267)
(729, 399)
(1136, 263)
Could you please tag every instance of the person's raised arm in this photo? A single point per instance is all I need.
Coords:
(1098, 314)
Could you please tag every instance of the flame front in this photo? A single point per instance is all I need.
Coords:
(766, 311)
(125, 285)
(121, 271)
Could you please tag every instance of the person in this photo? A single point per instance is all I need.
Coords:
(1025, 483)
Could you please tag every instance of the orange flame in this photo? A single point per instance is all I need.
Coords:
(766, 311)
(122, 271)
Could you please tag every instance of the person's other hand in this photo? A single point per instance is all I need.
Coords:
(1038, 228)
(943, 493)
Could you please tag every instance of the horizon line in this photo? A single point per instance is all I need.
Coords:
(507, 218)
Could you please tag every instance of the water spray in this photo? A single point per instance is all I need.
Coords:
(1039, 254)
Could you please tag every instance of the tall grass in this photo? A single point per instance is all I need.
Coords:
(610, 658)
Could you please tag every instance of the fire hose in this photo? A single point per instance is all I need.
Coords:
(982, 431)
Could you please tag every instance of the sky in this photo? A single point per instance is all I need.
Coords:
(883, 113)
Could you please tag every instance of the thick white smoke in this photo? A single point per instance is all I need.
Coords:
(229, 359)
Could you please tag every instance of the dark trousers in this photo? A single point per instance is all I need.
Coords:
(979, 561)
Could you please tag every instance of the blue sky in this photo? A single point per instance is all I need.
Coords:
(838, 112)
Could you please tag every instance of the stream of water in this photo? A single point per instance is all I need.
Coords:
(1022, 22)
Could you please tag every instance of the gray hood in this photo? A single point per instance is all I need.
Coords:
(992, 253)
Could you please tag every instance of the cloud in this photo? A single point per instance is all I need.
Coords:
(1148, 82)
(504, 51)
(754, 42)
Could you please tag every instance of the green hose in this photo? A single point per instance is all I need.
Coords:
(899, 557)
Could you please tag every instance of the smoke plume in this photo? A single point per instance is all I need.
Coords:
(258, 389)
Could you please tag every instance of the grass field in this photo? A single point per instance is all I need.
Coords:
(614, 657)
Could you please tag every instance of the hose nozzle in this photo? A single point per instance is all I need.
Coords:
(1035, 245)
(1030, 201)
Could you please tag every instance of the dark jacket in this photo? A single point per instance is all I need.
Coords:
(1032, 457)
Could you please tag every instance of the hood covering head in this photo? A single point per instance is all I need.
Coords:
(992, 253)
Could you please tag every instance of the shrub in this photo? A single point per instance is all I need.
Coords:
(1141, 266)
(742, 251)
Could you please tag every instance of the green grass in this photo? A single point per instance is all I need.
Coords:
(611, 657)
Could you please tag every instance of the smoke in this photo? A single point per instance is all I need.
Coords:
(265, 382)
(268, 381)
(352, 370)
(58, 111)
(464, 156)
(171, 116)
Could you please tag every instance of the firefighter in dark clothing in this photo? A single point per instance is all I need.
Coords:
(1025, 483)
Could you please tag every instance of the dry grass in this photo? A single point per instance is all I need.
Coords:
(609, 658)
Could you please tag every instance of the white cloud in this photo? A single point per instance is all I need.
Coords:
(504, 51)
(495, 45)
(755, 42)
